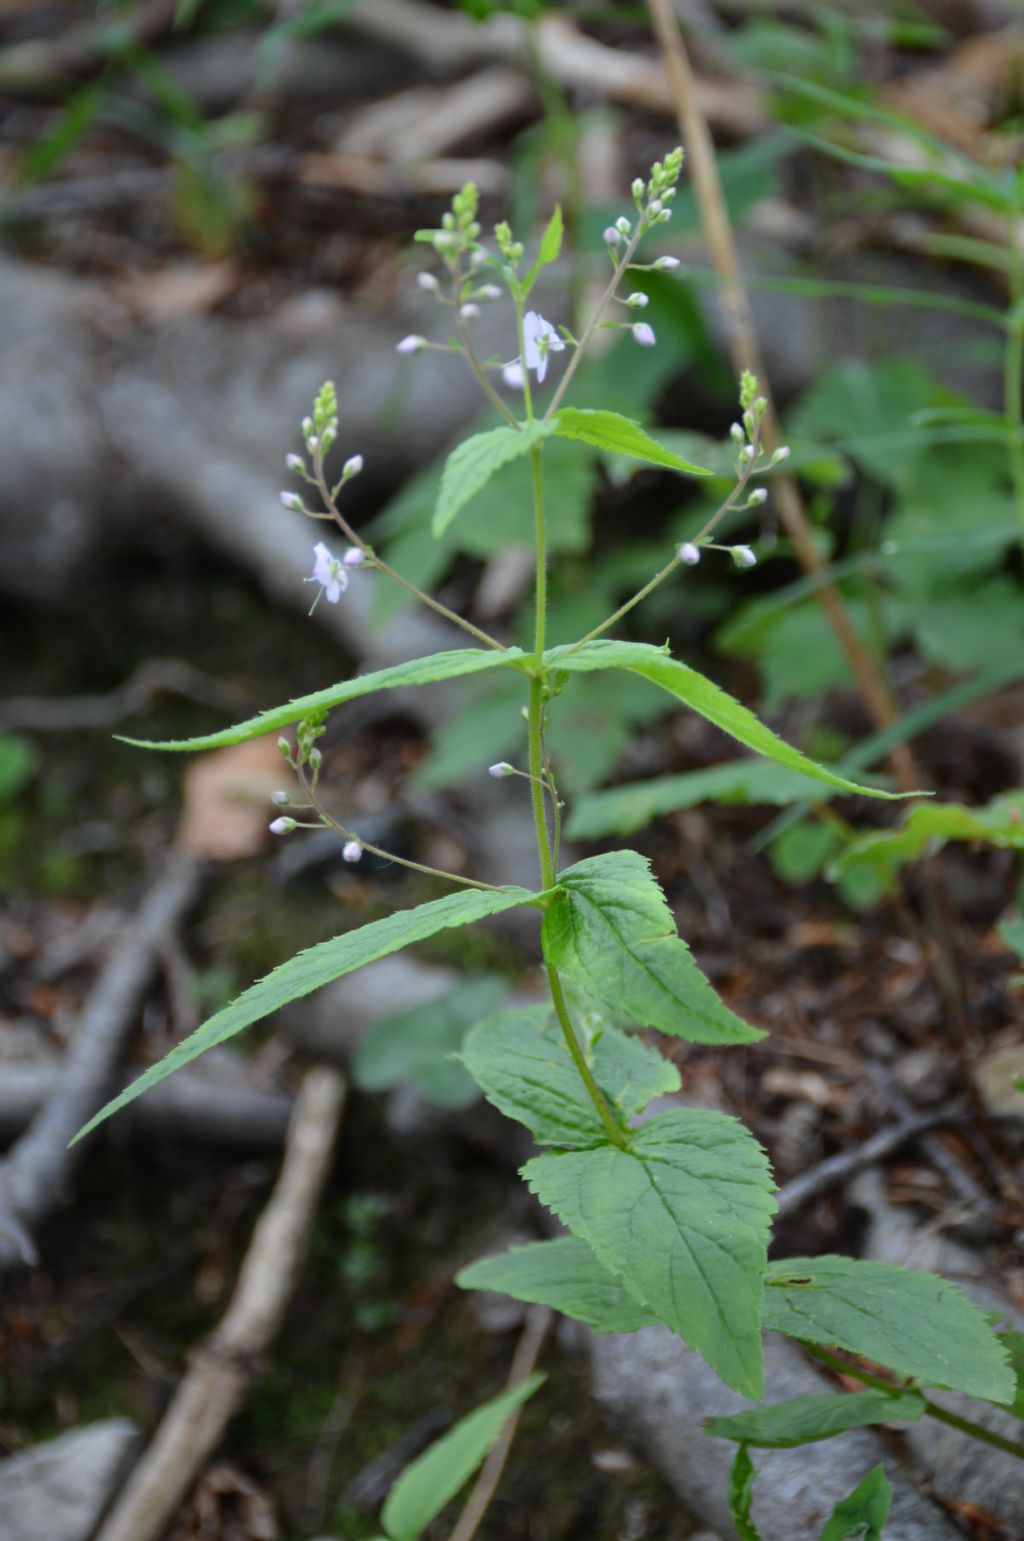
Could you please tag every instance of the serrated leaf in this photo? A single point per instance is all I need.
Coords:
(620, 435)
(706, 698)
(915, 1323)
(547, 252)
(418, 1047)
(806, 1420)
(565, 1275)
(625, 809)
(741, 1492)
(319, 965)
(861, 1515)
(682, 1219)
(929, 827)
(611, 930)
(424, 1488)
(472, 464)
(520, 1061)
(418, 671)
(1013, 1342)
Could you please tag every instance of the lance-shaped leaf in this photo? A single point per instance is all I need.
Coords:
(565, 1275)
(705, 697)
(623, 810)
(681, 1218)
(861, 1515)
(418, 671)
(320, 965)
(612, 931)
(424, 1488)
(915, 1323)
(547, 252)
(472, 464)
(620, 435)
(806, 1420)
(520, 1061)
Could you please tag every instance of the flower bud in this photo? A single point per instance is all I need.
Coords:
(353, 557)
(410, 344)
(639, 188)
(666, 264)
(759, 495)
(352, 850)
(622, 225)
(689, 554)
(282, 826)
(655, 206)
(285, 749)
(280, 799)
(662, 217)
(782, 453)
(743, 556)
(612, 236)
(737, 435)
(501, 770)
(427, 281)
(352, 467)
(292, 502)
(469, 311)
(638, 300)
(316, 758)
(489, 292)
(295, 463)
(644, 334)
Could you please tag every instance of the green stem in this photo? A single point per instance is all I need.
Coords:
(602, 305)
(1013, 376)
(932, 1409)
(615, 1132)
(484, 383)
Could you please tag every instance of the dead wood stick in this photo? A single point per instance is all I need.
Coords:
(741, 336)
(225, 1367)
(152, 679)
(847, 1163)
(36, 1169)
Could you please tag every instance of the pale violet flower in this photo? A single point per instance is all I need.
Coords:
(410, 344)
(539, 340)
(689, 554)
(351, 850)
(513, 376)
(353, 557)
(329, 573)
(644, 334)
(743, 556)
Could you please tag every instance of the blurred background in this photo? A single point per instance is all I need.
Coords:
(208, 208)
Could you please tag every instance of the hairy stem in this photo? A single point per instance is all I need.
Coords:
(932, 1409)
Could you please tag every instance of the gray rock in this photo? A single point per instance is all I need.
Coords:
(58, 1491)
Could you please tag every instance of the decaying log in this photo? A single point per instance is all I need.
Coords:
(224, 1368)
(35, 1171)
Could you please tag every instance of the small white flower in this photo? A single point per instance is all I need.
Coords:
(644, 334)
(539, 340)
(743, 556)
(354, 557)
(410, 344)
(351, 850)
(282, 826)
(469, 311)
(689, 554)
(280, 799)
(500, 770)
(427, 281)
(329, 573)
(612, 237)
(666, 264)
(352, 467)
(638, 300)
(513, 375)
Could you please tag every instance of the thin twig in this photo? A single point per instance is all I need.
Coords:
(836, 1169)
(530, 1343)
(36, 1170)
(222, 1371)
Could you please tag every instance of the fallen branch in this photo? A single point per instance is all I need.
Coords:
(158, 676)
(836, 1169)
(225, 1367)
(34, 1173)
